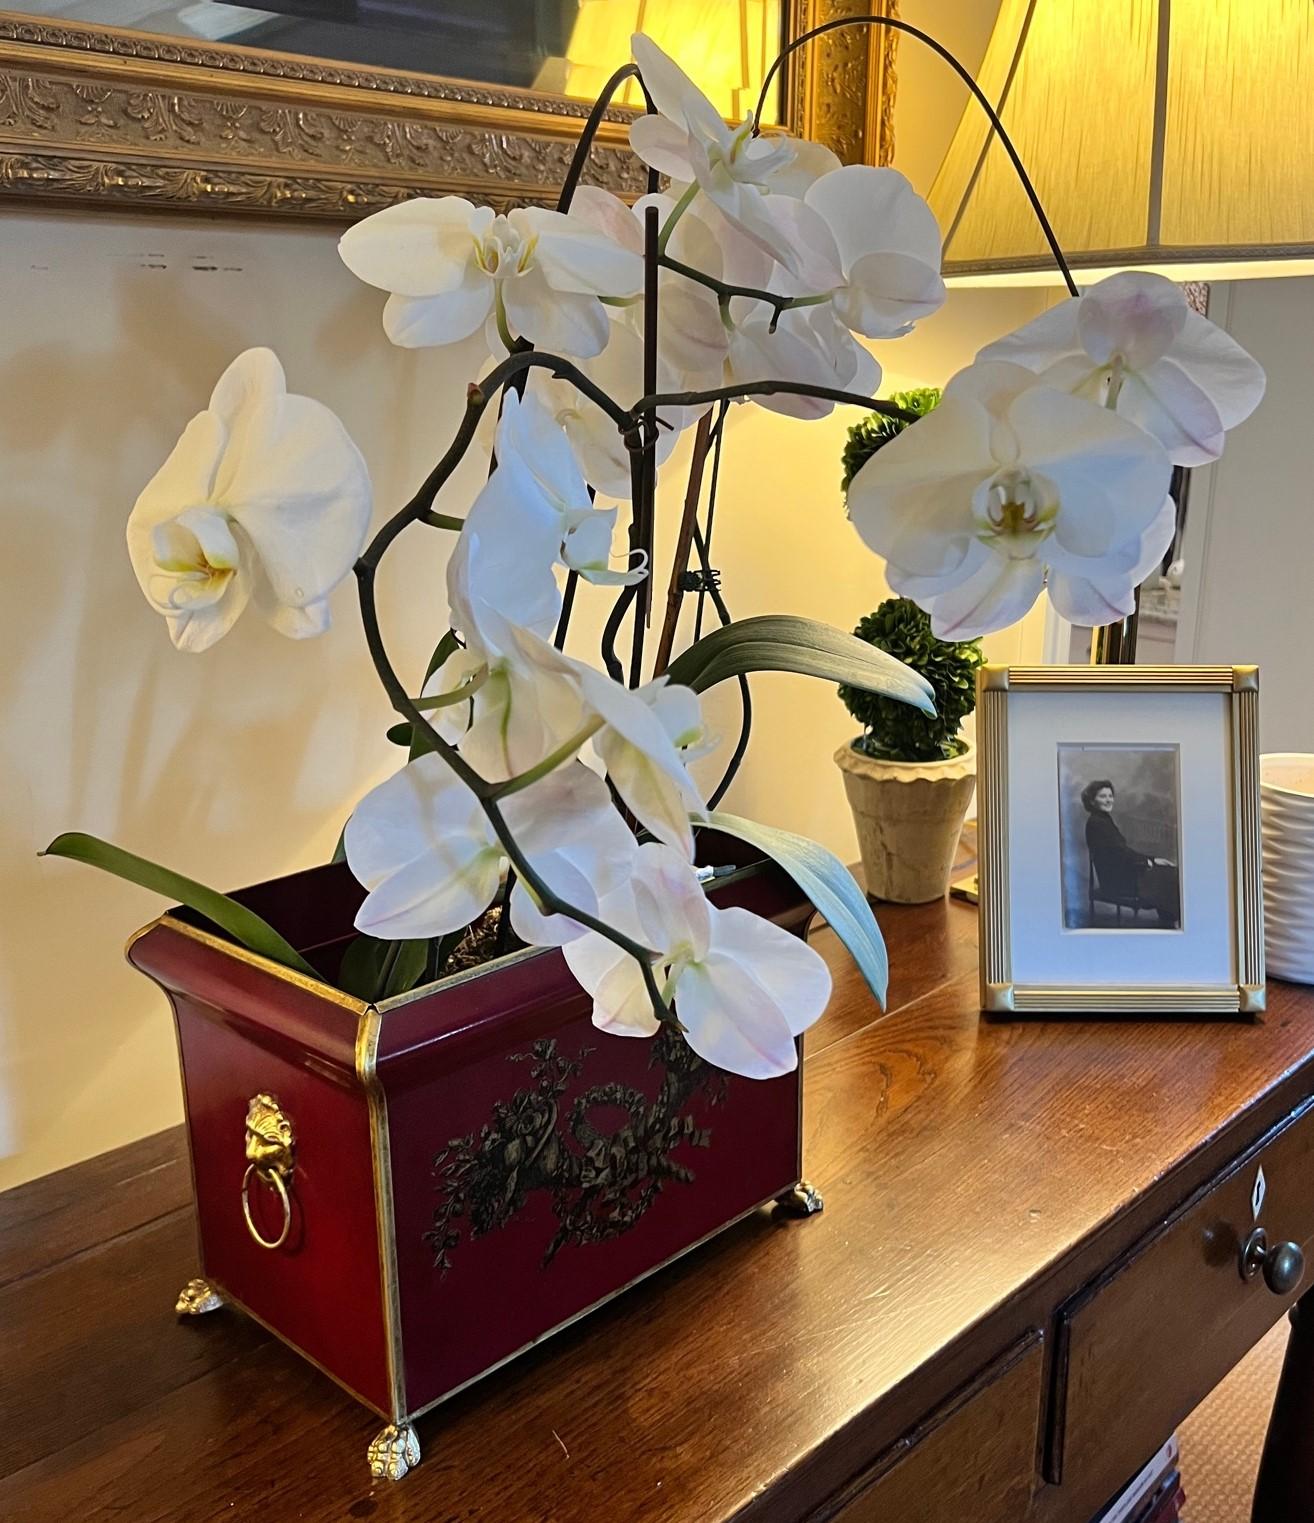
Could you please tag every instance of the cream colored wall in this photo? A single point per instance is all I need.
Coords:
(241, 764)
(233, 766)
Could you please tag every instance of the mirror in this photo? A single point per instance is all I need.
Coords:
(333, 108)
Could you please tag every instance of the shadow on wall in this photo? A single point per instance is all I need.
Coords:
(231, 766)
(1145, 784)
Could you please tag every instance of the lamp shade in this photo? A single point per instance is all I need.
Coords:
(1168, 133)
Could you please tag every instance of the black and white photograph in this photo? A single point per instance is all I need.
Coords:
(1119, 837)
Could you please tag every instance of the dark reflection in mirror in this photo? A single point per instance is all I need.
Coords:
(563, 47)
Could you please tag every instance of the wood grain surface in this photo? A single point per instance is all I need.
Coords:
(978, 1175)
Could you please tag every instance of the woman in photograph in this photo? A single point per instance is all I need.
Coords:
(1125, 875)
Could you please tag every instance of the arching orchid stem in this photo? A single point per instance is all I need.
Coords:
(612, 629)
(645, 505)
(595, 117)
(978, 94)
(768, 389)
(478, 398)
(552, 904)
(548, 901)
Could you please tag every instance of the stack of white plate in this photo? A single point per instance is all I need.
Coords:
(1286, 782)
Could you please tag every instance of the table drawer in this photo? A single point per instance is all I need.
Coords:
(1146, 1342)
(924, 1479)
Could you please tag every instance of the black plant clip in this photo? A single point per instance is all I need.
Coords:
(697, 580)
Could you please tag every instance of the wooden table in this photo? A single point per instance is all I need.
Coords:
(1026, 1274)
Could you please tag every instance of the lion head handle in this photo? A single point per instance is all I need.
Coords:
(268, 1136)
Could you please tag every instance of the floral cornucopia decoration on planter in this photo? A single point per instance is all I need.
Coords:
(556, 795)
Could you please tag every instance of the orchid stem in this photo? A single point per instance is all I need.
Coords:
(979, 95)
(550, 763)
(767, 389)
(676, 212)
(442, 521)
(366, 568)
(724, 290)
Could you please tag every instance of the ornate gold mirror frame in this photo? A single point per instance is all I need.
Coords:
(133, 120)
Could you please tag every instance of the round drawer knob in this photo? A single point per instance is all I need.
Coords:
(1281, 1264)
(1284, 1268)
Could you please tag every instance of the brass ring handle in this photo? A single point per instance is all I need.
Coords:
(276, 1180)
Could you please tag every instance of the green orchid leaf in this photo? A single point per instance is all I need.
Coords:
(787, 643)
(830, 886)
(361, 971)
(242, 924)
(408, 968)
(419, 742)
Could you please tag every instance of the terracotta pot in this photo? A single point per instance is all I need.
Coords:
(909, 817)
(414, 1192)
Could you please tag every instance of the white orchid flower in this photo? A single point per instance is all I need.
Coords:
(1008, 479)
(423, 847)
(641, 736)
(689, 140)
(807, 345)
(530, 440)
(500, 571)
(601, 452)
(517, 713)
(889, 246)
(746, 340)
(451, 267)
(744, 989)
(264, 497)
(1133, 340)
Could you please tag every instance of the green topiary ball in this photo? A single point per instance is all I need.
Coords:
(894, 731)
(867, 436)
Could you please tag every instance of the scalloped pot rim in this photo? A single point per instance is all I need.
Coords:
(849, 759)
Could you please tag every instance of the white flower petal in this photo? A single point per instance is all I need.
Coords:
(1219, 365)
(992, 598)
(297, 485)
(622, 1005)
(184, 480)
(1038, 343)
(912, 500)
(662, 145)
(672, 907)
(609, 215)
(253, 381)
(729, 1022)
(886, 293)
(810, 161)
(559, 322)
(1132, 314)
(793, 975)
(428, 322)
(575, 257)
(298, 623)
(420, 247)
(871, 210)
(1111, 476)
(196, 630)
(420, 844)
(1167, 404)
(1080, 600)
